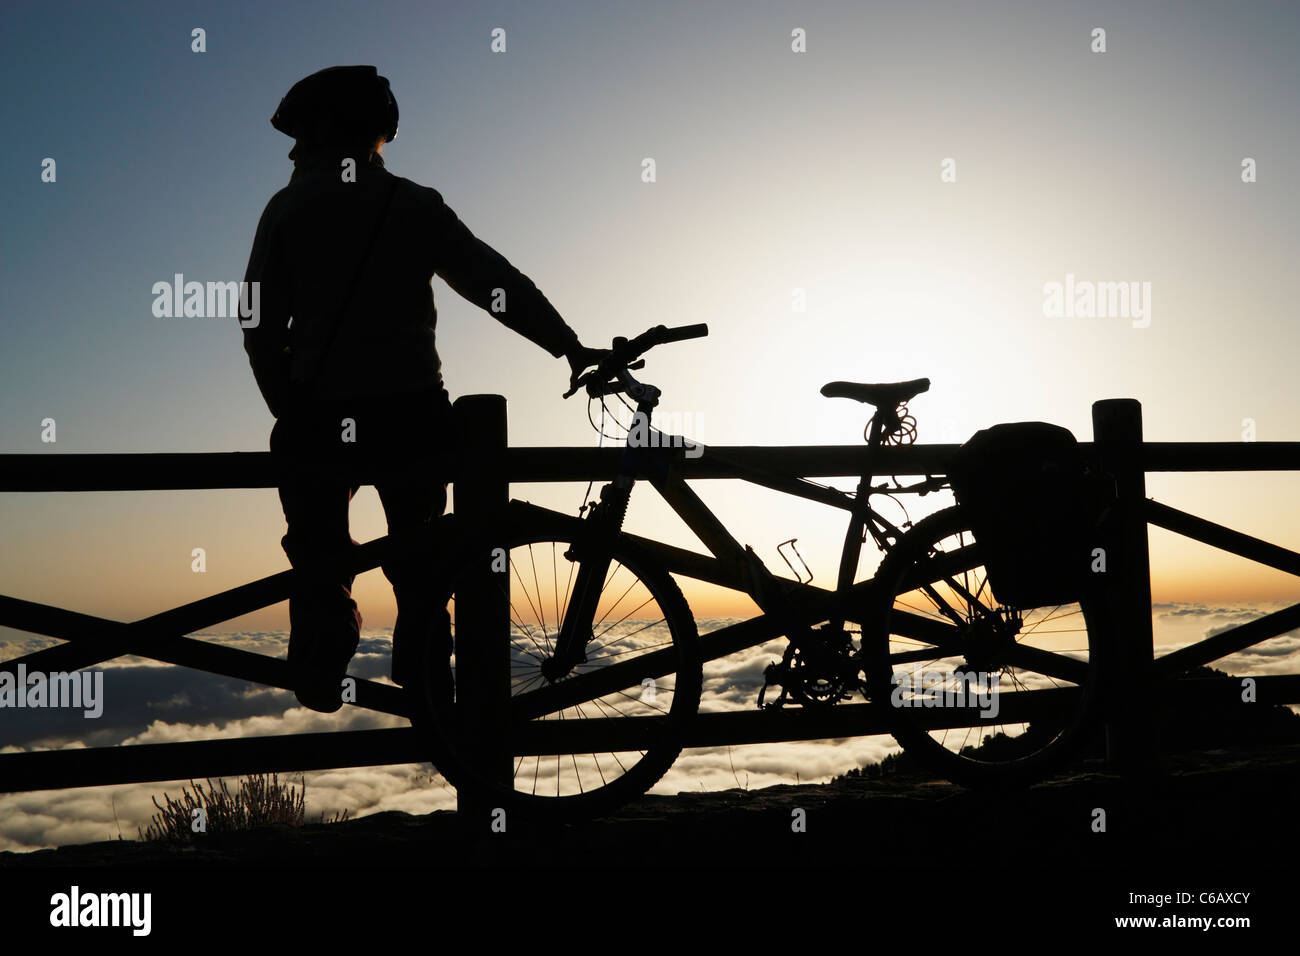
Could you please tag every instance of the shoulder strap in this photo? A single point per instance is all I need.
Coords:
(314, 381)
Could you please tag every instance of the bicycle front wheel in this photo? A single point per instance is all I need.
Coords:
(982, 692)
(626, 705)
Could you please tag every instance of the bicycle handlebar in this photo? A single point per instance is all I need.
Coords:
(624, 353)
(682, 333)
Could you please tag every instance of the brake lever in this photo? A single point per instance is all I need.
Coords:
(594, 376)
(578, 383)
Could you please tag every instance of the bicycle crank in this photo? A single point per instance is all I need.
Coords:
(819, 671)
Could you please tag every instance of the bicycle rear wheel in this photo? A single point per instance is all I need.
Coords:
(629, 701)
(936, 641)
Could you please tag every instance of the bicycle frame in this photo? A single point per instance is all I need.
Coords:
(741, 567)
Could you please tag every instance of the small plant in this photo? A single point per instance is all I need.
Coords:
(745, 786)
(260, 800)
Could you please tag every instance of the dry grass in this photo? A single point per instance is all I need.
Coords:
(260, 800)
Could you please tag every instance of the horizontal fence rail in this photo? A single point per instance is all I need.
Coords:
(242, 469)
(143, 763)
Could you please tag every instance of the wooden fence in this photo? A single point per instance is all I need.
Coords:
(1135, 690)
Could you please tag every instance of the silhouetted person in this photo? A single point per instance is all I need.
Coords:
(355, 377)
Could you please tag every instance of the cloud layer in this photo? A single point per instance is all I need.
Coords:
(149, 703)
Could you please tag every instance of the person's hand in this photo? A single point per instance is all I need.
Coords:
(580, 359)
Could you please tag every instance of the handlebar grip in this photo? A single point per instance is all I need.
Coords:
(684, 332)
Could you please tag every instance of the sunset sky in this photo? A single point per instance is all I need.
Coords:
(777, 171)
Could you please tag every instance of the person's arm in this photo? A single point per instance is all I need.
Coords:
(267, 341)
(475, 271)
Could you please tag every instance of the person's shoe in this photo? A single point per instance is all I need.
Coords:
(414, 625)
(441, 682)
(405, 655)
(442, 687)
(323, 694)
(319, 658)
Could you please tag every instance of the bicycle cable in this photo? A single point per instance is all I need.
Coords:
(600, 431)
(600, 440)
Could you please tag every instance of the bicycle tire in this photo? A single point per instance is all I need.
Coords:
(1044, 743)
(449, 754)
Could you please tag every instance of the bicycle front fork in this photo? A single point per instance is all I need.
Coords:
(592, 553)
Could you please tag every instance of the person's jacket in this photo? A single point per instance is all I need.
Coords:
(309, 243)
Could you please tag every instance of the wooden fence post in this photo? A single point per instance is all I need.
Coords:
(1128, 690)
(481, 492)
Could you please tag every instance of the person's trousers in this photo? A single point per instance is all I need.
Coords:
(408, 442)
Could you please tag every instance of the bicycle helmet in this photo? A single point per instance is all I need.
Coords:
(339, 103)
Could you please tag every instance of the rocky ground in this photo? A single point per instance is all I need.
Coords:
(898, 855)
(1231, 806)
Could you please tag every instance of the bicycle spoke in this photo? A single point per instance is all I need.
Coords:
(628, 622)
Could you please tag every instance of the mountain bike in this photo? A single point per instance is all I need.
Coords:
(604, 647)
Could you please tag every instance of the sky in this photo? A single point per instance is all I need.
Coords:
(782, 177)
(775, 171)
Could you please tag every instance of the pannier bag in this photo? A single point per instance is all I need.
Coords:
(1026, 496)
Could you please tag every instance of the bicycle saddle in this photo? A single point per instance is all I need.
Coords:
(886, 395)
